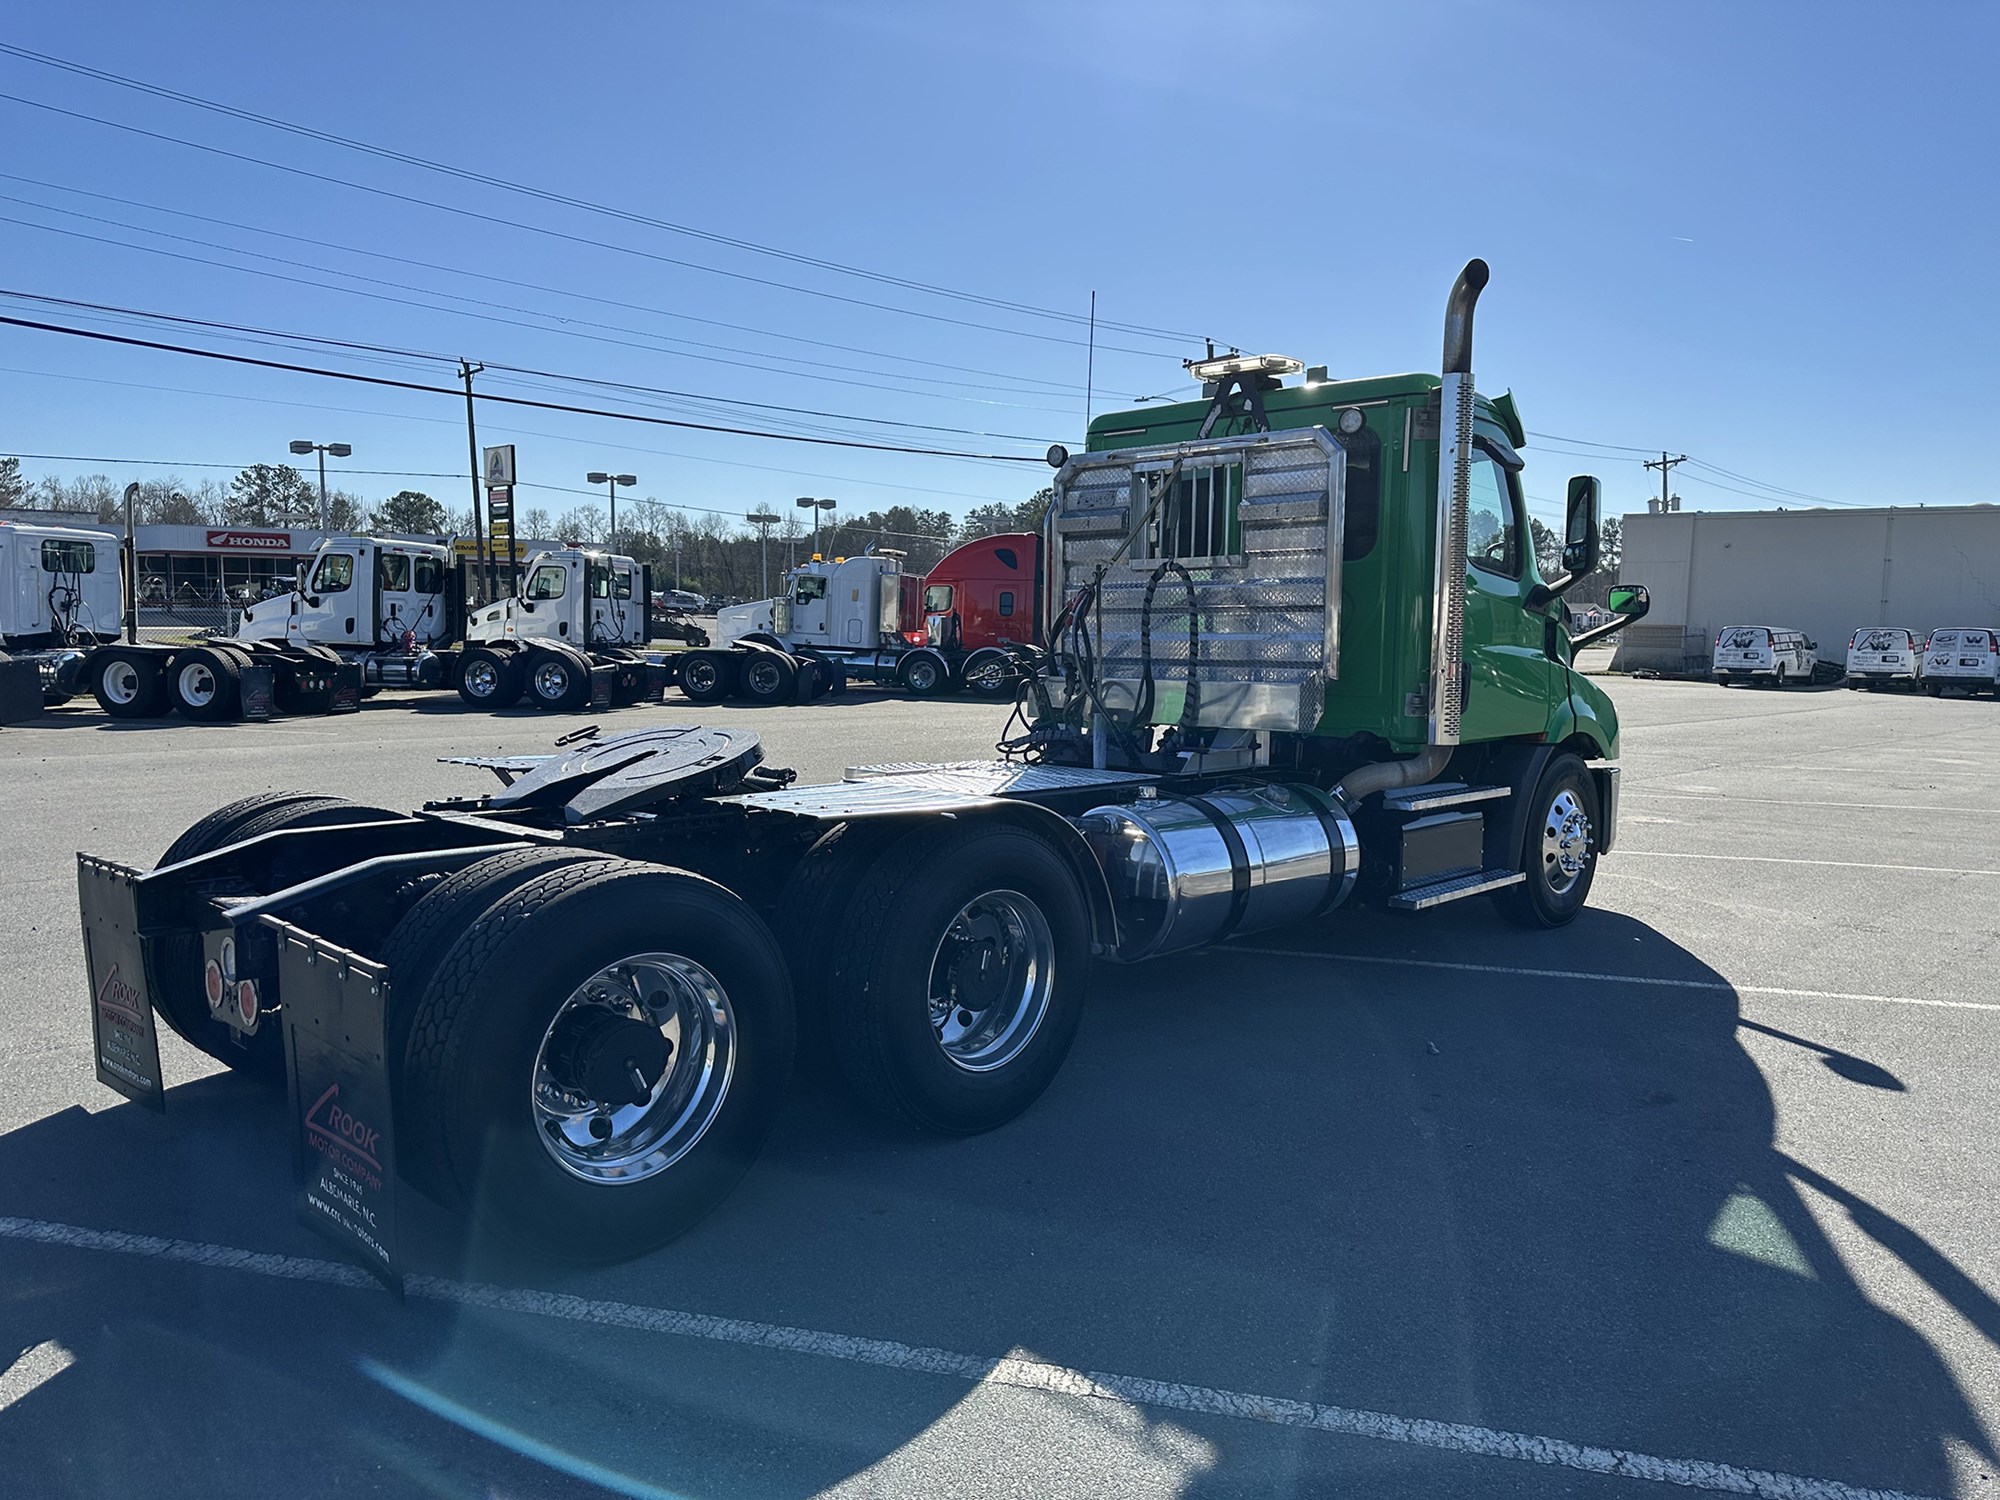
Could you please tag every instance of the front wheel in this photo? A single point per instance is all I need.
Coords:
(958, 986)
(595, 1062)
(924, 676)
(1559, 855)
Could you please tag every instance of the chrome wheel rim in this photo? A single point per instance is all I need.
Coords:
(991, 979)
(121, 682)
(551, 680)
(1565, 842)
(762, 678)
(197, 684)
(482, 678)
(595, 1039)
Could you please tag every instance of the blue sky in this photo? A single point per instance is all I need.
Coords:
(1726, 230)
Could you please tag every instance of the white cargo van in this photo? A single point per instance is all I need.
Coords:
(1884, 656)
(1763, 653)
(1964, 658)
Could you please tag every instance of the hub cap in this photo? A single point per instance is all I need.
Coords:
(551, 680)
(634, 1068)
(1565, 842)
(699, 675)
(763, 677)
(198, 684)
(923, 676)
(121, 682)
(482, 678)
(991, 979)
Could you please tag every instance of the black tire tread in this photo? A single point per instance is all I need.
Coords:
(859, 1037)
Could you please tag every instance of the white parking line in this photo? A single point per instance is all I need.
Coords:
(35, 1368)
(1719, 986)
(1630, 795)
(1022, 1374)
(1775, 859)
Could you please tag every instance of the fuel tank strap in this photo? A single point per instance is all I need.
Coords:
(1239, 864)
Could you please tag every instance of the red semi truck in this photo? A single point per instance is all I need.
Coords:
(862, 619)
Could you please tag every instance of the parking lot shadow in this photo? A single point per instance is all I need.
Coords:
(1531, 1204)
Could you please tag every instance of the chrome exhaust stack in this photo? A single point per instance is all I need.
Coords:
(1444, 689)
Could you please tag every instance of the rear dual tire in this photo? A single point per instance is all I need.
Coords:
(508, 1038)
(490, 679)
(129, 685)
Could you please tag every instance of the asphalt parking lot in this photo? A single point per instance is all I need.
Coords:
(1699, 1191)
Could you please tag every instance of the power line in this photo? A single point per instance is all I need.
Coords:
(532, 286)
(577, 239)
(510, 430)
(176, 463)
(438, 390)
(174, 318)
(505, 281)
(648, 343)
(566, 200)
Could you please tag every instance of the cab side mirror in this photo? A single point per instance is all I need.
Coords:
(1627, 602)
(1581, 527)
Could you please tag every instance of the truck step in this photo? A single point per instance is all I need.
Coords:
(1437, 794)
(1455, 888)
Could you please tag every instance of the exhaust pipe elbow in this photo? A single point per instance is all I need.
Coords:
(1389, 775)
(1458, 317)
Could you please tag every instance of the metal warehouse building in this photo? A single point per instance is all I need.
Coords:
(1826, 572)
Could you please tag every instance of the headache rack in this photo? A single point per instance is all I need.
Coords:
(1249, 527)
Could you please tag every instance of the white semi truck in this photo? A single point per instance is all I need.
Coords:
(367, 612)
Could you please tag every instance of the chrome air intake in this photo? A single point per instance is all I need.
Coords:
(1188, 871)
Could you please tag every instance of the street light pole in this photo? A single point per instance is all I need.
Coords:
(338, 450)
(763, 520)
(612, 481)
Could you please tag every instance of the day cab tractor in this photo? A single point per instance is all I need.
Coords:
(573, 637)
(863, 619)
(59, 599)
(373, 612)
(1298, 656)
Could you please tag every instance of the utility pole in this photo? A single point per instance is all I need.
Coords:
(1665, 466)
(466, 370)
(763, 520)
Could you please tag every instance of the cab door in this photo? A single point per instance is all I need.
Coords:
(334, 611)
(1515, 682)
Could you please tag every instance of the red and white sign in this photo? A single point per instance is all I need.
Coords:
(251, 541)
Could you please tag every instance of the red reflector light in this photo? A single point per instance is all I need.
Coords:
(914, 637)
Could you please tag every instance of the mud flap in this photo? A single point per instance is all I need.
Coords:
(123, 1029)
(343, 1127)
(603, 682)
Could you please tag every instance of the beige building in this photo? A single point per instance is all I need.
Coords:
(1826, 572)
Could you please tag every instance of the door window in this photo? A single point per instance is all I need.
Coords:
(335, 573)
(392, 572)
(621, 583)
(1493, 531)
(547, 582)
(937, 599)
(809, 590)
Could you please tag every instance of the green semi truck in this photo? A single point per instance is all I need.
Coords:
(1296, 653)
